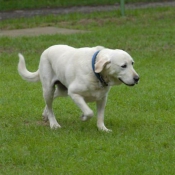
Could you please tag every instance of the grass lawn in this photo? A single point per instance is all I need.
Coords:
(141, 117)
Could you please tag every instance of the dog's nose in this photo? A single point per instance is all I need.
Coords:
(136, 78)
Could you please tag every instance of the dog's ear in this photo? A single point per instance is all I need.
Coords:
(101, 63)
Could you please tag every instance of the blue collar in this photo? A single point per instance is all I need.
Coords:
(99, 77)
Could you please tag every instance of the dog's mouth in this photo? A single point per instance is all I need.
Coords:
(126, 83)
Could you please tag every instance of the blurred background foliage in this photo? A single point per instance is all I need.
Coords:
(6, 5)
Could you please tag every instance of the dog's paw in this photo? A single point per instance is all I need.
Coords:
(103, 128)
(85, 118)
(54, 126)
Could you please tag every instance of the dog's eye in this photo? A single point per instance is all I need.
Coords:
(124, 66)
(132, 63)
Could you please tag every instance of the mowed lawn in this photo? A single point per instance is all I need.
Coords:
(142, 117)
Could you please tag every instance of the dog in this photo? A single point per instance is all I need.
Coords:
(85, 74)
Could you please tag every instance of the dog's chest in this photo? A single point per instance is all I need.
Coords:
(95, 95)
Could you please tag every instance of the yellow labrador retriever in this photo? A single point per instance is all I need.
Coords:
(85, 74)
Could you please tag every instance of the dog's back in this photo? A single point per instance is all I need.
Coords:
(65, 63)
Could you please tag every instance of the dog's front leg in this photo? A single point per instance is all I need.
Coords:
(80, 102)
(100, 114)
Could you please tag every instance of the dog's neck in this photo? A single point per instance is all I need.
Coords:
(98, 75)
(105, 78)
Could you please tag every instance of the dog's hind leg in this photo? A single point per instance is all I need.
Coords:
(45, 114)
(60, 91)
(46, 77)
(48, 93)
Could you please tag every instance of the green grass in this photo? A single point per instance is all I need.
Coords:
(13, 5)
(141, 117)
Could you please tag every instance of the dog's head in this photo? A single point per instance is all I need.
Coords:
(117, 67)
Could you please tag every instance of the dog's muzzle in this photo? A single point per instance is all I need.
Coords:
(136, 80)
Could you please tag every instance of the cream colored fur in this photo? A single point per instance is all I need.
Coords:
(64, 70)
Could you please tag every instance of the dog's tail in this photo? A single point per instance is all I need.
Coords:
(25, 74)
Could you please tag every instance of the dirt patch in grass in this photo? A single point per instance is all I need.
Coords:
(38, 31)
